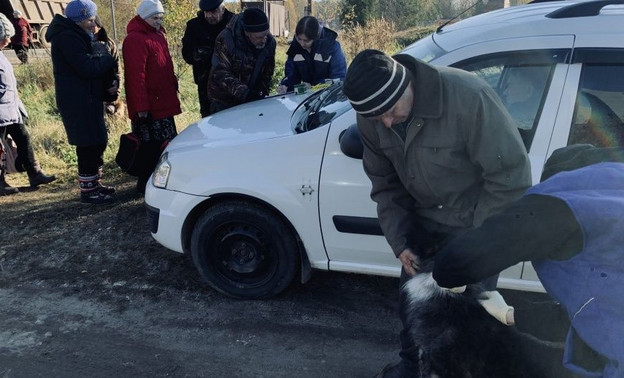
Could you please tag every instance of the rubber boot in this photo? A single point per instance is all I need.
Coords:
(105, 189)
(90, 192)
(36, 176)
(5, 188)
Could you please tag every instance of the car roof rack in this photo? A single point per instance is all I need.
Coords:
(583, 9)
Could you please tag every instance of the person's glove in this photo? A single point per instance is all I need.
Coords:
(495, 305)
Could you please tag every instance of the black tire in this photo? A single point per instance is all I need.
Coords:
(42, 41)
(244, 251)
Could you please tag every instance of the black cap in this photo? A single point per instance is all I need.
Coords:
(209, 5)
(254, 20)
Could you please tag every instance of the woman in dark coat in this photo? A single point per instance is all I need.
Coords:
(103, 45)
(78, 75)
(313, 56)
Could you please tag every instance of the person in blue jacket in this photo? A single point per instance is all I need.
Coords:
(570, 227)
(313, 56)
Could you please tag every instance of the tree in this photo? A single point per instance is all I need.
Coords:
(330, 12)
(358, 12)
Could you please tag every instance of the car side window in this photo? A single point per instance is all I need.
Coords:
(521, 79)
(599, 109)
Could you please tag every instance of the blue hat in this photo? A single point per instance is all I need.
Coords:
(80, 10)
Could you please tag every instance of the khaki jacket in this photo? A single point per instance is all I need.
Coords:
(462, 160)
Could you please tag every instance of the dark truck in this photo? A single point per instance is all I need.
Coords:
(38, 13)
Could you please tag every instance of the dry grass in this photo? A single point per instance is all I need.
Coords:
(377, 34)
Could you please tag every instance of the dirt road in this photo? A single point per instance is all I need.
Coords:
(86, 292)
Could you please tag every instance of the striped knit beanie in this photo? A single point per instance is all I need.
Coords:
(374, 82)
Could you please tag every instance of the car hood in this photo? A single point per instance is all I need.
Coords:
(263, 119)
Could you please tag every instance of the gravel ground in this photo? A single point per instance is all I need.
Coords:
(86, 292)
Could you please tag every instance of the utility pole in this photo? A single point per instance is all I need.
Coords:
(112, 5)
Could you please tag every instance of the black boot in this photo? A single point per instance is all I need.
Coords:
(5, 188)
(40, 178)
(90, 192)
(140, 185)
(36, 176)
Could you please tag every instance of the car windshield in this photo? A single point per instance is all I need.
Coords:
(320, 108)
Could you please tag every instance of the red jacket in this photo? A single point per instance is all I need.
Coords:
(23, 32)
(150, 83)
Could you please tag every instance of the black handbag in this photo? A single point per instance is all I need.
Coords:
(138, 158)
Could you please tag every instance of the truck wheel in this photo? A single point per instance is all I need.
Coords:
(244, 251)
(42, 41)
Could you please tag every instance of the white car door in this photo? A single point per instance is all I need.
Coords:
(348, 216)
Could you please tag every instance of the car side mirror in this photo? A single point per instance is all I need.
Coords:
(350, 142)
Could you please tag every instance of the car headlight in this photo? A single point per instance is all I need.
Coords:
(161, 172)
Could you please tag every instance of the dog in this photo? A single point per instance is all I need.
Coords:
(458, 338)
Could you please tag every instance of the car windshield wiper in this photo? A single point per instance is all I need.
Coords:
(312, 120)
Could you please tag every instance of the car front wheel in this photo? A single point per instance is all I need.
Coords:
(244, 251)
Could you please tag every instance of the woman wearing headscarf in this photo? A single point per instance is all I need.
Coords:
(22, 39)
(150, 82)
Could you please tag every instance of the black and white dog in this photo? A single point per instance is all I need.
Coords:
(458, 338)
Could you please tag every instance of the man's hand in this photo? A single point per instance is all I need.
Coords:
(410, 262)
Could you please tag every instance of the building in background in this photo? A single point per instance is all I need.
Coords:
(276, 13)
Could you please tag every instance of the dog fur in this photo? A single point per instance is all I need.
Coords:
(457, 338)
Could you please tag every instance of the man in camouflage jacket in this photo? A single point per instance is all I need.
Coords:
(243, 61)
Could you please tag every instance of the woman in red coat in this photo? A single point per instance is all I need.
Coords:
(23, 36)
(150, 83)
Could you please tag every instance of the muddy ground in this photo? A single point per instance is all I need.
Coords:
(86, 292)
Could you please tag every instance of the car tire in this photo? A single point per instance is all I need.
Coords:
(244, 251)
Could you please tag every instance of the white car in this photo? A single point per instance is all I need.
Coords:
(262, 193)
